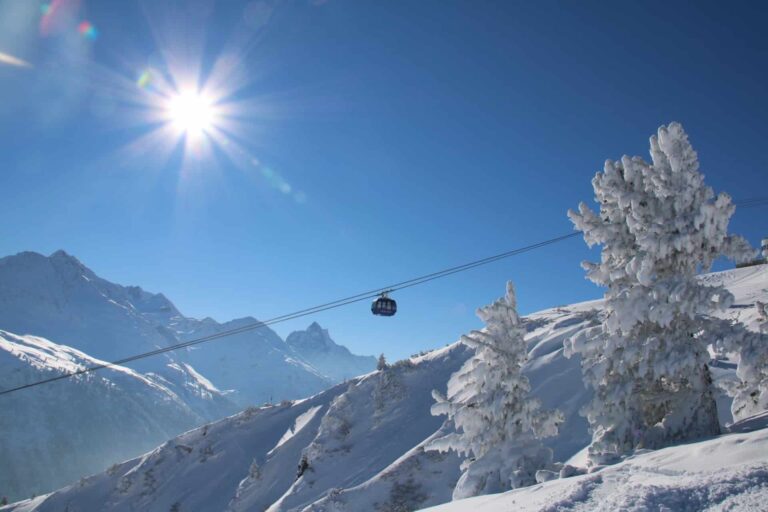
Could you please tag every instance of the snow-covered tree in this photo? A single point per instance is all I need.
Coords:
(382, 363)
(498, 425)
(303, 466)
(254, 472)
(750, 392)
(659, 225)
(762, 316)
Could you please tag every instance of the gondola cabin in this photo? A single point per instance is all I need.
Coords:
(384, 306)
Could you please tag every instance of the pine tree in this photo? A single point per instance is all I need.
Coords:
(303, 466)
(382, 363)
(659, 225)
(762, 316)
(498, 425)
(750, 393)
(254, 471)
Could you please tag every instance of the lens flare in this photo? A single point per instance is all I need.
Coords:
(145, 79)
(87, 30)
(13, 61)
(191, 112)
(198, 114)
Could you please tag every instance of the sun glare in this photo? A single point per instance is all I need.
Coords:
(191, 112)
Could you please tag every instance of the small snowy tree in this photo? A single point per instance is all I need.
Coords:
(750, 393)
(382, 363)
(498, 425)
(303, 466)
(762, 316)
(254, 472)
(659, 226)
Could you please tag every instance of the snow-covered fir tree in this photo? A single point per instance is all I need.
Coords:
(498, 425)
(381, 363)
(762, 316)
(750, 392)
(659, 225)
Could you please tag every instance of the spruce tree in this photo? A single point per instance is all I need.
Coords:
(659, 226)
(498, 425)
(750, 393)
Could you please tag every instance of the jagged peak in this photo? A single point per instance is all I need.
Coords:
(314, 336)
(314, 326)
(62, 254)
(62, 257)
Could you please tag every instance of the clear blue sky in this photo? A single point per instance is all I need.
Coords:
(412, 135)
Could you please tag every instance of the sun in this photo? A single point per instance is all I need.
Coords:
(191, 112)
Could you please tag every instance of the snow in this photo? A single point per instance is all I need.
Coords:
(299, 424)
(366, 451)
(52, 428)
(729, 472)
(201, 380)
(64, 318)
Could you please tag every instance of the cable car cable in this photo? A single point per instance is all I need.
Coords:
(327, 306)
(301, 313)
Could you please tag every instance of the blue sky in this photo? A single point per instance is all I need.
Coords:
(365, 143)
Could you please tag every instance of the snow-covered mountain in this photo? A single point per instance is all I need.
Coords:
(58, 298)
(253, 367)
(54, 434)
(58, 302)
(361, 445)
(335, 361)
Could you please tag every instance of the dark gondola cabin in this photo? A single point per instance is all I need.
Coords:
(384, 306)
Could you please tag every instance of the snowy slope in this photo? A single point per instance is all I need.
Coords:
(729, 472)
(200, 469)
(53, 435)
(364, 445)
(60, 299)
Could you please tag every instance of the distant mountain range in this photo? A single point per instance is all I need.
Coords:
(56, 315)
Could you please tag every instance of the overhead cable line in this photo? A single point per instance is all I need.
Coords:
(301, 313)
(327, 306)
